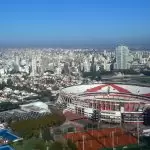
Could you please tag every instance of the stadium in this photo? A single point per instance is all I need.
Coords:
(115, 102)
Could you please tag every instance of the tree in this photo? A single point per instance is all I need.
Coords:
(9, 82)
(92, 75)
(8, 106)
(46, 134)
(71, 129)
(31, 144)
(39, 145)
(57, 146)
(2, 85)
(71, 145)
(30, 128)
(55, 88)
(95, 115)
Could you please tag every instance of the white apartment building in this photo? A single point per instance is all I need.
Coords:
(122, 54)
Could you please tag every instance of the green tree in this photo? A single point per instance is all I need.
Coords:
(2, 85)
(71, 145)
(9, 82)
(56, 146)
(31, 144)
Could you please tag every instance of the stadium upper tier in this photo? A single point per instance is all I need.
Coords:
(111, 88)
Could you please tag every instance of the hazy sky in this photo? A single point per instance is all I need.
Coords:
(45, 22)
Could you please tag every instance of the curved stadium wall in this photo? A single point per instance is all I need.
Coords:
(115, 102)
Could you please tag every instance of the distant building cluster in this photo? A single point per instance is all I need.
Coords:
(37, 61)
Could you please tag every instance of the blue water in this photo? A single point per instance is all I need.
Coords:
(7, 135)
(7, 147)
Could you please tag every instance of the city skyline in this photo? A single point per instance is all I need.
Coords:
(74, 23)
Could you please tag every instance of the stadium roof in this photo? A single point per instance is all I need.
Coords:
(108, 87)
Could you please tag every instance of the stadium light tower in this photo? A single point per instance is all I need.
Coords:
(138, 131)
(113, 145)
(83, 137)
(108, 90)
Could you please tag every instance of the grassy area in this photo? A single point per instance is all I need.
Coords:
(40, 144)
(30, 144)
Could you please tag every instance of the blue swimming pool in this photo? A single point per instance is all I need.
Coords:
(6, 147)
(5, 134)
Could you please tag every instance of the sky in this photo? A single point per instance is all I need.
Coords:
(74, 22)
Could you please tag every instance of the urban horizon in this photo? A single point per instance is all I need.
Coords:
(78, 46)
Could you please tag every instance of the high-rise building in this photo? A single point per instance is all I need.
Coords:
(66, 68)
(122, 53)
(34, 66)
(93, 66)
(17, 60)
(86, 66)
